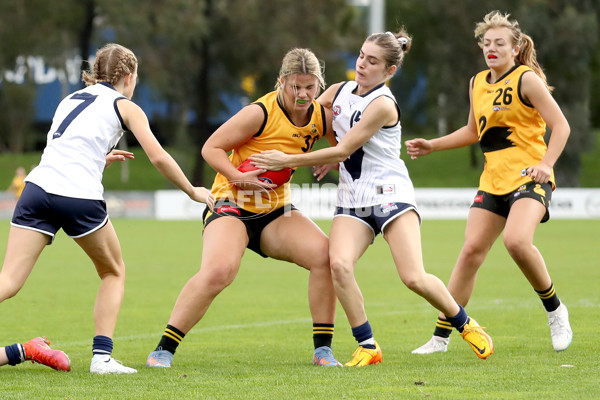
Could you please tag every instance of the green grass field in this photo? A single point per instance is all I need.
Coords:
(256, 340)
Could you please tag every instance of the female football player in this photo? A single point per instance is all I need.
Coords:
(250, 213)
(18, 183)
(375, 194)
(511, 105)
(65, 191)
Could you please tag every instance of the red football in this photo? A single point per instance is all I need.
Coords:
(277, 177)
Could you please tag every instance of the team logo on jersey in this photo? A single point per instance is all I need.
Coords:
(386, 189)
(336, 111)
(521, 189)
(387, 208)
(506, 82)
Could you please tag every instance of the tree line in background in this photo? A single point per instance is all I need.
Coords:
(190, 51)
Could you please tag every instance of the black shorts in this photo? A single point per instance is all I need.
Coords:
(47, 213)
(501, 204)
(376, 217)
(255, 223)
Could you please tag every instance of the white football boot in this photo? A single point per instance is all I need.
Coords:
(105, 364)
(436, 344)
(560, 330)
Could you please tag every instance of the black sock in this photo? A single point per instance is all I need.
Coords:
(170, 339)
(549, 298)
(443, 328)
(322, 335)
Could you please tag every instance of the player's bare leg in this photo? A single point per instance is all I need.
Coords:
(482, 229)
(349, 240)
(23, 249)
(296, 238)
(403, 236)
(523, 220)
(104, 250)
(218, 269)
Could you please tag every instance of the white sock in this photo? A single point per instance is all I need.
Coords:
(370, 341)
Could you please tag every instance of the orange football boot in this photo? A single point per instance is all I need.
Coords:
(38, 350)
(363, 356)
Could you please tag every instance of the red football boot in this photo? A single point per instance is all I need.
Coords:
(38, 350)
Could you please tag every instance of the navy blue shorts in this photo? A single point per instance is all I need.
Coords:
(47, 213)
(376, 217)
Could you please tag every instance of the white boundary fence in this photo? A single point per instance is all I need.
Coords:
(318, 202)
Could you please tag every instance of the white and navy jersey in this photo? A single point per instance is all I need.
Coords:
(374, 174)
(85, 128)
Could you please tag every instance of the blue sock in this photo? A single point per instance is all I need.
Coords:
(15, 354)
(459, 320)
(103, 345)
(363, 333)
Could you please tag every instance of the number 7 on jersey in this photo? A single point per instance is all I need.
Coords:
(87, 99)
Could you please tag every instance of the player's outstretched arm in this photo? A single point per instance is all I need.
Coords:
(461, 137)
(135, 118)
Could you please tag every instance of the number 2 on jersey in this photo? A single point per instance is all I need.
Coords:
(87, 99)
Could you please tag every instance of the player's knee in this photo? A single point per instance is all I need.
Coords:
(473, 252)
(218, 281)
(114, 269)
(515, 245)
(315, 258)
(321, 261)
(218, 277)
(320, 252)
(8, 288)
(8, 292)
(414, 282)
(341, 268)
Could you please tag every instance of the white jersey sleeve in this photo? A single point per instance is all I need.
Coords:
(374, 174)
(86, 126)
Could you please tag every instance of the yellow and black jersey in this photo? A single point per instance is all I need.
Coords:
(511, 131)
(277, 133)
